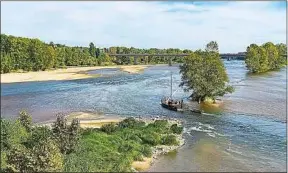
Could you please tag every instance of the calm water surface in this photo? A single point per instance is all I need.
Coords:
(249, 133)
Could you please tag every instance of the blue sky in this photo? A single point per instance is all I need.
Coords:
(184, 25)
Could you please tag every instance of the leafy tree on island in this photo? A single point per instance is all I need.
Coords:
(204, 73)
(212, 46)
(265, 57)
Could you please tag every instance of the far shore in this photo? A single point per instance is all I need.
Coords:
(68, 73)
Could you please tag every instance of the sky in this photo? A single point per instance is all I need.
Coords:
(142, 24)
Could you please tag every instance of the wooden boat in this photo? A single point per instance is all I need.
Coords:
(170, 107)
(169, 103)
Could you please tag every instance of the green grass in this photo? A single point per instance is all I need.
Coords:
(112, 148)
(115, 147)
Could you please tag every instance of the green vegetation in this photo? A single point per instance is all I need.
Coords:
(176, 129)
(19, 53)
(66, 147)
(205, 74)
(265, 57)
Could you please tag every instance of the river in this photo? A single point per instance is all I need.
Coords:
(247, 134)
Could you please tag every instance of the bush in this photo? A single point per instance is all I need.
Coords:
(146, 150)
(38, 134)
(109, 128)
(161, 123)
(25, 119)
(137, 156)
(126, 147)
(176, 129)
(151, 138)
(169, 140)
(131, 123)
(159, 126)
(12, 133)
(66, 136)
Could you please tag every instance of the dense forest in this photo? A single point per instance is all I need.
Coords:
(19, 53)
(66, 147)
(265, 57)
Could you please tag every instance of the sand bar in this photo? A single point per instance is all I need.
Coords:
(64, 74)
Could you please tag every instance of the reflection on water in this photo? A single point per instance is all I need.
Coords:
(247, 134)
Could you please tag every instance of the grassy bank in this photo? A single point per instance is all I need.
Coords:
(127, 145)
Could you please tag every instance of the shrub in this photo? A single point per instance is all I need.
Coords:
(169, 140)
(26, 120)
(161, 123)
(12, 133)
(151, 138)
(38, 134)
(109, 128)
(137, 156)
(66, 136)
(126, 147)
(131, 123)
(146, 150)
(159, 126)
(176, 129)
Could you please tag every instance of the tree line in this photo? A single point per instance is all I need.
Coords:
(265, 57)
(20, 53)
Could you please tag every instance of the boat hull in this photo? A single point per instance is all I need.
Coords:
(196, 111)
(173, 108)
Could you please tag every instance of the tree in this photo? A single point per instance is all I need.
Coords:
(97, 52)
(25, 120)
(282, 53)
(73, 133)
(92, 49)
(47, 156)
(272, 54)
(51, 57)
(12, 134)
(212, 46)
(43, 157)
(205, 74)
(6, 63)
(265, 57)
(66, 136)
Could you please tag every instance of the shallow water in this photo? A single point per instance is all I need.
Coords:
(248, 133)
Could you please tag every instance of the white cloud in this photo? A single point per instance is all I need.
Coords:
(233, 25)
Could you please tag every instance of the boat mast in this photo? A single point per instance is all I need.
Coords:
(171, 86)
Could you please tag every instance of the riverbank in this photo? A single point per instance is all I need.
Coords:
(96, 120)
(69, 73)
(159, 149)
(156, 152)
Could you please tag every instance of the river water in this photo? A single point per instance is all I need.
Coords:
(248, 133)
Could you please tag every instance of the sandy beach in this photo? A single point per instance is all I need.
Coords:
(64, 74)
